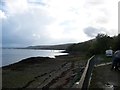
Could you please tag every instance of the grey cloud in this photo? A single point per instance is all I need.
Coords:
(19, 29)
(92, 32)
(95, 2)
(0, 33)
(29, 29)
(37, 2)
(2, 6)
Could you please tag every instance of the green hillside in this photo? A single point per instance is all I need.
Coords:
(98, 45)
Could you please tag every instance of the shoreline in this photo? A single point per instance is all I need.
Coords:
(42, 72)
(56, 56)
(18, 58)
(30, 60)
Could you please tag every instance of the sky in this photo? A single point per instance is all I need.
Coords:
(50, 22)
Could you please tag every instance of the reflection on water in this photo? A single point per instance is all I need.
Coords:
(10, 56)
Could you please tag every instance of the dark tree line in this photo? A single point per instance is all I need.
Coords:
(98, 45)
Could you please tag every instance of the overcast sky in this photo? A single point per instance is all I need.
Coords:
(39, 22)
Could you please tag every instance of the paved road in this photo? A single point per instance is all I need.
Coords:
(104, 77)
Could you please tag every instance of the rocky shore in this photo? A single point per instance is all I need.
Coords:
(44, 72)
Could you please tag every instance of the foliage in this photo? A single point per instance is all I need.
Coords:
(116, 42)
(102, 43)
(98, 45)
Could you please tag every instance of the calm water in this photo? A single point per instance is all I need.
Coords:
(10, 56)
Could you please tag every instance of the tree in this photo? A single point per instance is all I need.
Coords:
(116, 40)
(101, 44)
(98, 45)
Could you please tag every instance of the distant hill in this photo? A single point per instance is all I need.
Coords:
(80, 47)
(50, 47)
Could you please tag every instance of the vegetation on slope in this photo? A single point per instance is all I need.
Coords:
(98, 45)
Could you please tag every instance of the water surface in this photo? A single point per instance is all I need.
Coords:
(10, 56)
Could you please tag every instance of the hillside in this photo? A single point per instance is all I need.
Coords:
(98, 45)
(53, 47)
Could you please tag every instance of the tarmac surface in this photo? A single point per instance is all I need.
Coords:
(104, 78)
